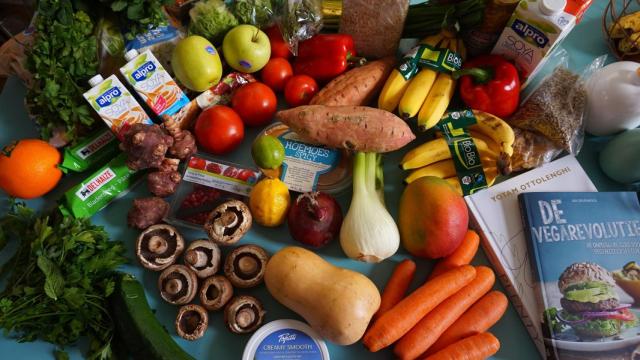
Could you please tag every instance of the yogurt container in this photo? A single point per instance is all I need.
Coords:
(310, 167)
(285, 340)
(153, 83)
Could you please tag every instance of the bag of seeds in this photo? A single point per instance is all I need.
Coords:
(555, 109)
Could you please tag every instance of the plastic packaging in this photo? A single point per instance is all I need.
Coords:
(554, 109)
(90, 152)
(102, 187)
(286, 339)
(376, 26)
(153, 83)
(206, 183)
(309, 167)
(298, 20)
(255, 12)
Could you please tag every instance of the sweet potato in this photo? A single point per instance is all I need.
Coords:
(359, 128)
(356, 87)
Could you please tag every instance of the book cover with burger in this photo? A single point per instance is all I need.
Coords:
(584, 249)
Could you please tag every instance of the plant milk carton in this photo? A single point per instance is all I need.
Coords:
(533, 31)
(153, 83)
(115, 104)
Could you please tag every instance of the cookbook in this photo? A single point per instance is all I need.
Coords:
(584, 248)
(495, 214)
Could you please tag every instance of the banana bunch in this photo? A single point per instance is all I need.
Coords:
(493, 138)
(428, 93)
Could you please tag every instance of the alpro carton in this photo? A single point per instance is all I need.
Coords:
(535, 29)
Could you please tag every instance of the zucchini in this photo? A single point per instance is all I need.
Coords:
(137, 326)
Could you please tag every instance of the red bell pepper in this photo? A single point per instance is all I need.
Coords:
(325, 56)
(491, 84)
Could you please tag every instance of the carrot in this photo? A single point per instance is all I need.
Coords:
(461, 256)
(396, 322)
(476, 347)
(357, 86)
(429, 329)
(397, 286)
(478, 319)
(359, 128)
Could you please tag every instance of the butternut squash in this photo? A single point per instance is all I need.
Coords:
(337, 303)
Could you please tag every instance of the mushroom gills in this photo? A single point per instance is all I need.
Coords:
(196, 260)
(173, 285)
(190, 321)
(229, 221)
(246, 316)
(158, 248)
(247, 266)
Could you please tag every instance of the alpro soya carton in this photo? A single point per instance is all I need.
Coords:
(153, 83)
(534, 29)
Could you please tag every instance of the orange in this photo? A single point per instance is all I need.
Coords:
(28, 169)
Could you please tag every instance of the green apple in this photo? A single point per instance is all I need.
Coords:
(246, 48)
(196, 63)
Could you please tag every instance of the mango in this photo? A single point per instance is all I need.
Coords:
(432, 218)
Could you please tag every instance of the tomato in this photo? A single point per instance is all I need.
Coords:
(255, 103)
(219, 130)
(299, 90)
(276, 73)
(197, 163)
(279, 47)
(231, 172)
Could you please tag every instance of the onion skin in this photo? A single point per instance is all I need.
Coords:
(315, 219)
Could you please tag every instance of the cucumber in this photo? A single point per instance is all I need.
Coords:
(137, 326)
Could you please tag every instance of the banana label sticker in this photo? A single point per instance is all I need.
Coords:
(426, 56)
(464, 151)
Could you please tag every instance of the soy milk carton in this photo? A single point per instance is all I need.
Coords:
(533, 31)
(153, 83)
(115, 104)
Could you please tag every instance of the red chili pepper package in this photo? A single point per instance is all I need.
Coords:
(207, 183)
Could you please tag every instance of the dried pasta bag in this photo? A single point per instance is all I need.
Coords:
(376, 26)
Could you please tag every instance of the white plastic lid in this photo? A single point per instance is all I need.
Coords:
(285, 331)
(97, 79)
(550, 7)
(131, 54)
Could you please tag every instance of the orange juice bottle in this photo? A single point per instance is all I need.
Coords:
(153, 83)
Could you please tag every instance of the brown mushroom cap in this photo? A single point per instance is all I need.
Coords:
(178, 284)
(228, 222)
(159, 246)
(203, 257)
(245, 266)
(215, 292)
(243, 314)
(192, 321)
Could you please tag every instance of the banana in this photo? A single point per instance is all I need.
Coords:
(438, 99)
(491, 175)
(475, 134)
(444, 169)
(396, 85)
(462, 50)
(438, 150)
(495, 128)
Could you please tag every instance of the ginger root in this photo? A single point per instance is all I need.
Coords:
(146, 212)
(146, 146)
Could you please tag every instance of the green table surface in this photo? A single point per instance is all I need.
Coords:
(583, 44)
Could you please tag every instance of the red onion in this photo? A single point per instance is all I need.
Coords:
(315, 219)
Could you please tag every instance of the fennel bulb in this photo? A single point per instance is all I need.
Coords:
(368, 231)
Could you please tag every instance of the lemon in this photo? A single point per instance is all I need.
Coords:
(269, 202)
(267, 152)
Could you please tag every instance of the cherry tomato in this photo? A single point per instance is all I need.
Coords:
(276, 73)
(219, 129)
(299, 90)
(245, 175)
(197, 163)
(255, 103)
(231, 172)
(279, 47)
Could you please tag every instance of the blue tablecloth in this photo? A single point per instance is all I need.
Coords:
(583, 44)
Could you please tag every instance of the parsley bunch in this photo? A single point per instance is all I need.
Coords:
(58, 280)
(140, 14)
(64, 55)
